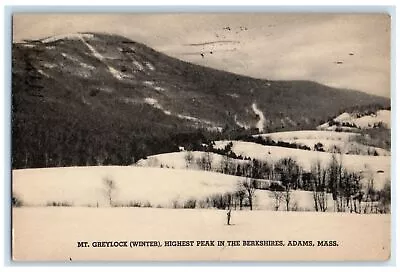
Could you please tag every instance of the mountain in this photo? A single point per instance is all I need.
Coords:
(92, 98)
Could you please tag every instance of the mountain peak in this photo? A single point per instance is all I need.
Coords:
(70, 36)
(96, 83)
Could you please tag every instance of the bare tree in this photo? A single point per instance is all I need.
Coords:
(278, 198)
(208, 161)
(335, 179)
(345, 186)
(268, 171)
(249, 186)
(289, 172)
(228, 199)
(319, 183)
(239, 195)
(370, 195)
(385, 198)
(109, 190)
(205, 161)
(201, 162)
(101, 157)
(189, 158)
(247, 169)
(226, 164)
(352, 191)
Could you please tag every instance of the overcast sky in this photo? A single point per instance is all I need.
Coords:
(350, 51)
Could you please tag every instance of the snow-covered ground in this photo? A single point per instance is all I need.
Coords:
(376, 166)
(332, 141)
(52, 233)
(364, 122)
(309, 134)
(177, 160)
(85, 186)
(156, 187)
(369, 120)
(70, 36)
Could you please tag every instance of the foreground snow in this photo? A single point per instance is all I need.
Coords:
(52, 234)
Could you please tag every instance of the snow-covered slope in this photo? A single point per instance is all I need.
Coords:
(178, 160)
(376, 166)
(331, 141)
(69, 36)
(368, 121)
(380, 118)
(135, 89)
(85, 185)
(309, 134)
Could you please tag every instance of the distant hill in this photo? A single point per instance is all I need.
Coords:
(91, 99)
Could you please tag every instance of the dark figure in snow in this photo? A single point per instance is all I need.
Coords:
(228, 214)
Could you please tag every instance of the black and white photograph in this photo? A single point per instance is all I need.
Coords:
(201, 136)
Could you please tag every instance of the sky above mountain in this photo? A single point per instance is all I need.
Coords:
(340, 50)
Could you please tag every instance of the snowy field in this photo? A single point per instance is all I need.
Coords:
(177, 160)
(376, 166)
(52, 233)
(369, 120)
(309, 135)
(332, 141)
(84, 186)
(364, 122)
(143, 186)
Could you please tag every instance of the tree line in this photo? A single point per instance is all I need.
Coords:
(331, 180)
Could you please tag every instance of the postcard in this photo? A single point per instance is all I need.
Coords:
(201, 137)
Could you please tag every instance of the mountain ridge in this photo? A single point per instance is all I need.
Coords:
(94, 84)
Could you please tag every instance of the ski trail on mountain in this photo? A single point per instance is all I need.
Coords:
(94, 51)
(153, 102)
(261, 121)
(100, 57)
(82, 64)
(240, 124)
